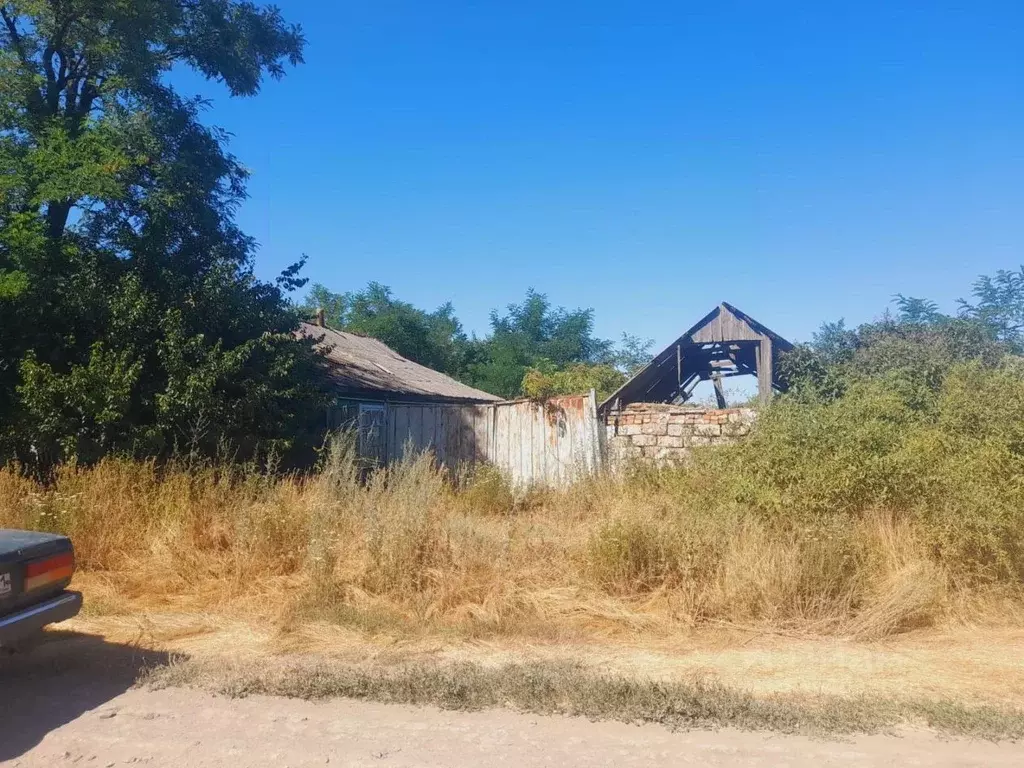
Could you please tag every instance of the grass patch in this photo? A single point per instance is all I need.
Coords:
(572, 689)
(858, 519)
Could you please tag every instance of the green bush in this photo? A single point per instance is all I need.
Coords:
(953, 461)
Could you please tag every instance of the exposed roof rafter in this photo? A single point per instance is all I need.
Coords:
(724, 337)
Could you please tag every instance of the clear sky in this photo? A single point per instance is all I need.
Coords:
(804, 161)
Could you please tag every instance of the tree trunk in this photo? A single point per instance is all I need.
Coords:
(57, 219)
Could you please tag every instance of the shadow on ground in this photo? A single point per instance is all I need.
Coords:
(64, 675)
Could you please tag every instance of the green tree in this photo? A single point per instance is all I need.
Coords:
(912, 310)
(434, 339)
(911, 350)
(999, 305)
(531, 334)
(534, 349)
(632, 354)
(544, 379)
(556, 334)
(130, 318)
(575, 379)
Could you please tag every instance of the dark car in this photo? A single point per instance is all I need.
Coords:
(35, 572)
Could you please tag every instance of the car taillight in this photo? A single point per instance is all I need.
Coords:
(42, 573)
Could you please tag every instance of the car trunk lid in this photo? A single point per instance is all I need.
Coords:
(33, 566)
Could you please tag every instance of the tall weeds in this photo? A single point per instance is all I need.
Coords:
(865, 516)
(410, 551)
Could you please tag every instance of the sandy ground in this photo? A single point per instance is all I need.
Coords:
(968, 664)
(196, 730)
(72, 702)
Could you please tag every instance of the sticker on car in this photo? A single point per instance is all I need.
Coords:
(5, 584)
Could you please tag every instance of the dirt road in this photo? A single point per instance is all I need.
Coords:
(192, 729)
(77, 707)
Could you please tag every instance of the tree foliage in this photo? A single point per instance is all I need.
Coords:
(534, 349)
(130, 318)
(535, 334)
(633, 353)
(951, 462)
(574, 379)
(999, 306)
(912, 349)
(434, 339)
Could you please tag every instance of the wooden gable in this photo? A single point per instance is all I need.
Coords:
(725, 342)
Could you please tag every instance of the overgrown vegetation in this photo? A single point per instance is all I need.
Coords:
(883, 495)
(148, 379)
(894, 524)
(130, 317)
(533, 349)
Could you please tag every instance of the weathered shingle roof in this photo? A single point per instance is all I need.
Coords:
(368, 367)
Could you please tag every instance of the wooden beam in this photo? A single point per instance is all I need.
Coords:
(764, 369)
(682, 394)
(719, 391)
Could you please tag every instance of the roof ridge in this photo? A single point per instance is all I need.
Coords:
(339, 330)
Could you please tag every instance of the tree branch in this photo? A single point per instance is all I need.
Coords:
(64, 56)
(89, 93)
(52, 91)
(12, 30)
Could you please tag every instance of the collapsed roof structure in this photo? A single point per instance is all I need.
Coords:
(725, 342)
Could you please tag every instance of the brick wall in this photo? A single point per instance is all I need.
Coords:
(665, 434)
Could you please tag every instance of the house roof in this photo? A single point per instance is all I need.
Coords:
(725, 324)
(362, 366)
(728, 323)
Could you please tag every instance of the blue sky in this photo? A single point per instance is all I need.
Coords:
(804, 161)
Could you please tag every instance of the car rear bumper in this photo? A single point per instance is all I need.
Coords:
(32, 619)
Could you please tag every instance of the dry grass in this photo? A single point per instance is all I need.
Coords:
(412, 588)
(572, 689)
(411, 554)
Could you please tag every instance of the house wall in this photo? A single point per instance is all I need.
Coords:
(666, 434)
(457, 434)
(534, 443)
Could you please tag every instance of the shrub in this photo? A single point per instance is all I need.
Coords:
(956, 465)
(865, 515)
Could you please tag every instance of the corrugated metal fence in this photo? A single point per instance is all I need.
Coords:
(535, 443)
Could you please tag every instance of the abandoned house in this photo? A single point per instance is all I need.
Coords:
(374, 384)
(648, 417)
(398, 405)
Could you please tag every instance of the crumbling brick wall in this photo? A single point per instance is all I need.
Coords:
(665, 434)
